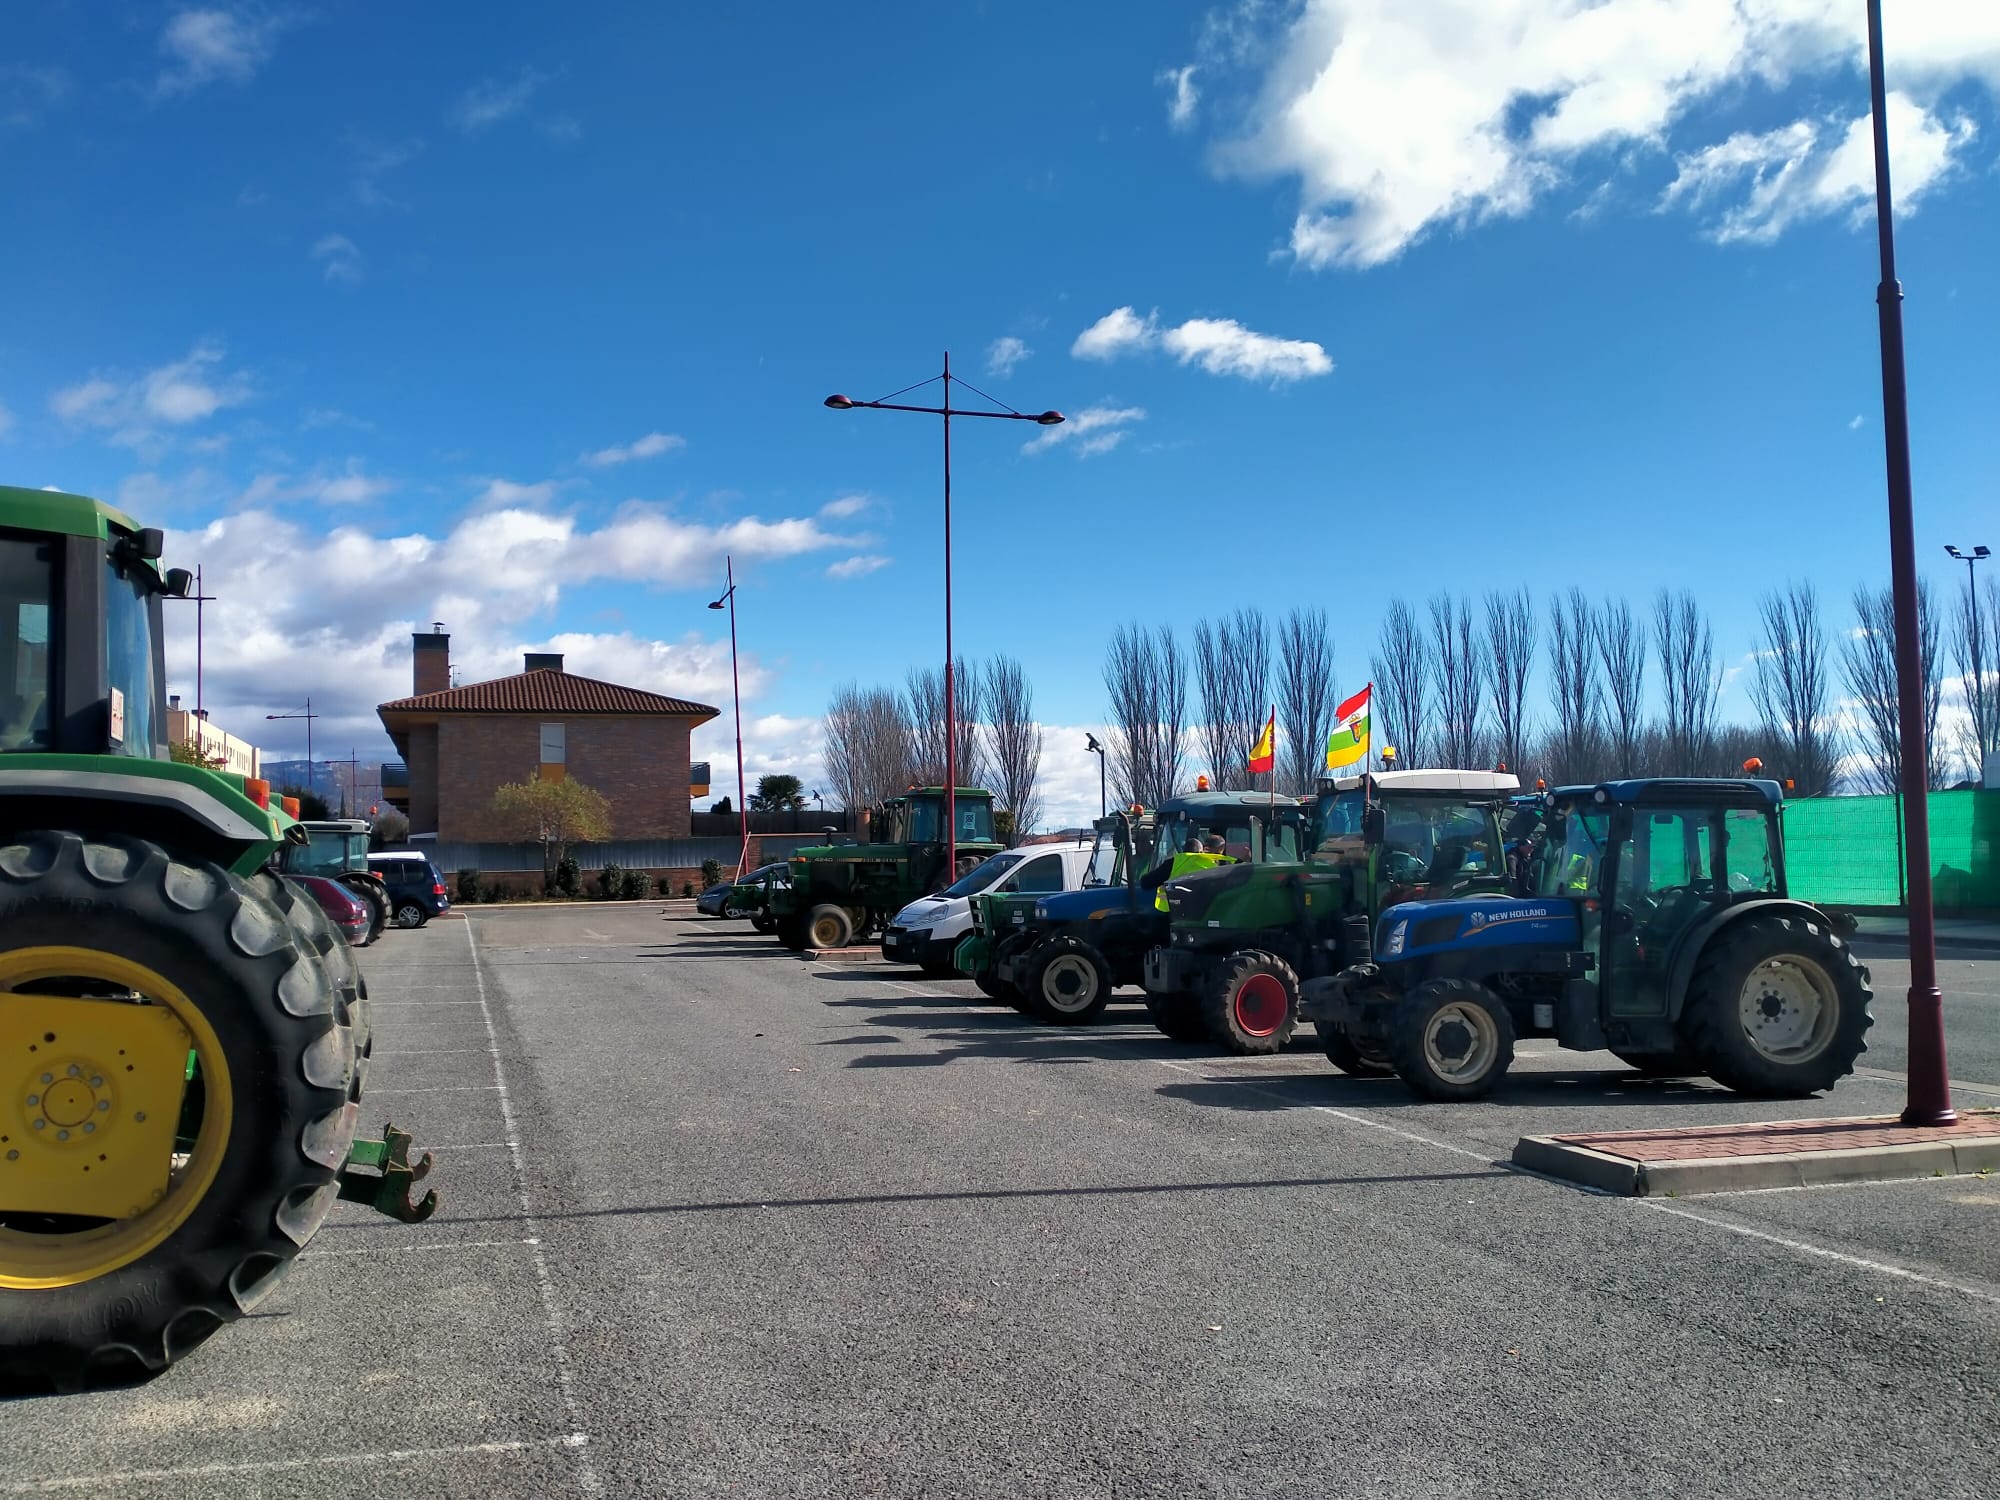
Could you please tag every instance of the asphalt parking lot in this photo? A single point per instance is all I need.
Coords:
(720, 1221)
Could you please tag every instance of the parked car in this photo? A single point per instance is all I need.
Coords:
(348, 912)
(926, 932)
(743, 897)
(416, 887)
(709, 902)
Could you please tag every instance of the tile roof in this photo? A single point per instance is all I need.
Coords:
(545, 691)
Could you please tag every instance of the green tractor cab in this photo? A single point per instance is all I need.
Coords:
(1660, 928)
(1108, 920)
(182, 1036)
(1243, 938)
(838, 893)
(337, 848)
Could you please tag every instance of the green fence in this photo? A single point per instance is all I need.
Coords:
(1847, 851)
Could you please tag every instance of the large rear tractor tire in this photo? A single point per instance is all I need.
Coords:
(1451, 1040)
(1252, 1006)
(829, 927)
(1178, 1016)
(117, 961)
(1778, 1005)
(317, 935)
(376, 895)
(1069, 983)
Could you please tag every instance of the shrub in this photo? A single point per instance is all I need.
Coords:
(468, 886)
(687, 887)
(711, 873)
(636, 885)
(569, 877)
(609, 881)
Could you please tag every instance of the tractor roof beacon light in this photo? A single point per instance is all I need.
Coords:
(947, 411)
(1201, 783)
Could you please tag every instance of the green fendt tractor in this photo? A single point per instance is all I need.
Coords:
(181, 1033)
(839, 892)
(338, 849)
(1244, 937)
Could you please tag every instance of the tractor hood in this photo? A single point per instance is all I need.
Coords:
(1081, 906)
(1474, 921)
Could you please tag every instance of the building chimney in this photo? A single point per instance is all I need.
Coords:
(542, 661)
(174, 703)
(430, 661)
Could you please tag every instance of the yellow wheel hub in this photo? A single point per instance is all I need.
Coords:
(90, 1097)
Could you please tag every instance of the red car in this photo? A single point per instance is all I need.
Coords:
(343, 909)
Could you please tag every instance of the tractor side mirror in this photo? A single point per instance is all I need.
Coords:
(1374, 824)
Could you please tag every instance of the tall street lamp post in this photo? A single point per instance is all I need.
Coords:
(1092, 745)
(1929, 1098)
(308, 715)
(948, 411)
(1984, 727)
(736, 692)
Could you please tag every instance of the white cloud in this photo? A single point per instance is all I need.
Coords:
(1809, 170)
(350, 485)
(339, 258)
(858, 567)
(490, 101)
(175, 395)
(373, 162)
(1004, 353)
(1398, 118)
(845, 507)
(505, 494)
(1854, 422)
(212, 45)
(1186, 97)
(1095, 429)
(1221, 346)
(652, 445)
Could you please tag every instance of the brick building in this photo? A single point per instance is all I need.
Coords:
(460, 744)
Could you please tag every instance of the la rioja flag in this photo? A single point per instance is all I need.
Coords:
(1349, 741)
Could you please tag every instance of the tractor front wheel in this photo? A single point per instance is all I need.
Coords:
(1778, 1005)
(183, 1082)
(829, 927)
(1069, 983)
(1252, 1007)
(1452, 1039)
(763, 921)
(1351, 1057)
(375, 895)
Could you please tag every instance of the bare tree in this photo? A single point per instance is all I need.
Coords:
(1145, 675)
(1510, 643)
(1576, 694)
(1690, 679)
(1232, 667)
(1621, 650)
(1975, 650)
(1868, 666)
(867, 749)
(1790, 686)
(1306, 697)
(923, 705)
(1404, 675)
(1016, 742)
(1461, 684)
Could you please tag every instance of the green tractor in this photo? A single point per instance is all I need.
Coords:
(1242, 938)
(182, 1035)
(1660, 929)
(337, 848)
(1106, 913)
(838, 893)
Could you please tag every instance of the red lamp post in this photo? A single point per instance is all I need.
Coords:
(948, 411)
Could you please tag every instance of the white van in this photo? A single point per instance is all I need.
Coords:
(927, 931)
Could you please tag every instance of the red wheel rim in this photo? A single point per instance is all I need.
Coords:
(1260, 1004)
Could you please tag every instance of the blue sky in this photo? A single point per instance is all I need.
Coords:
(393, 318)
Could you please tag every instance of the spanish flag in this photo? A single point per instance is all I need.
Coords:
(1349, 741)
(1264, 754)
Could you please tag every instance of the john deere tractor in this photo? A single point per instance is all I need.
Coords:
(182, 1039)
(337, 848)
(839, 892)
(1660, 929)
(1243, 937)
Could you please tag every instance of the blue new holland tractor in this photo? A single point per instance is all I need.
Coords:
(1657, 926)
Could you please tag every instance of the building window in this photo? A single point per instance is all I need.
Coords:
(552, 745)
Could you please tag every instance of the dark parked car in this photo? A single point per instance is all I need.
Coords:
(348, 913)
(709, 902)
(416, 889)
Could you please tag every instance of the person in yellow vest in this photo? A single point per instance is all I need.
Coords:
(1205, 855)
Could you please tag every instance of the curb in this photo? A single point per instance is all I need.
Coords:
(1725, 1174)
(842, 955)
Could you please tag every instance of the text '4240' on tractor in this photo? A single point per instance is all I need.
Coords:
(1659, 928)
(183, 1038)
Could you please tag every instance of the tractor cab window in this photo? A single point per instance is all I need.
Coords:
(1107, 858)
(325, 854)
(1750, 868)
(1430, 842)
(131, 630)
(1664, 886)
(27, 586)
(1571, 866)
(975, 821)
(1337, 822)
(1280, 842)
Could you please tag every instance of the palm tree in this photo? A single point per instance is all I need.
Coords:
(778, 792)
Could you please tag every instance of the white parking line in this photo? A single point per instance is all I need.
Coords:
(406, 1249)
(103, 1483)
(413, 1004)
(455, 1088)
(586, 1471)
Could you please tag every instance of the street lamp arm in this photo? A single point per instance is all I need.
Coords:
(1044, 419)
